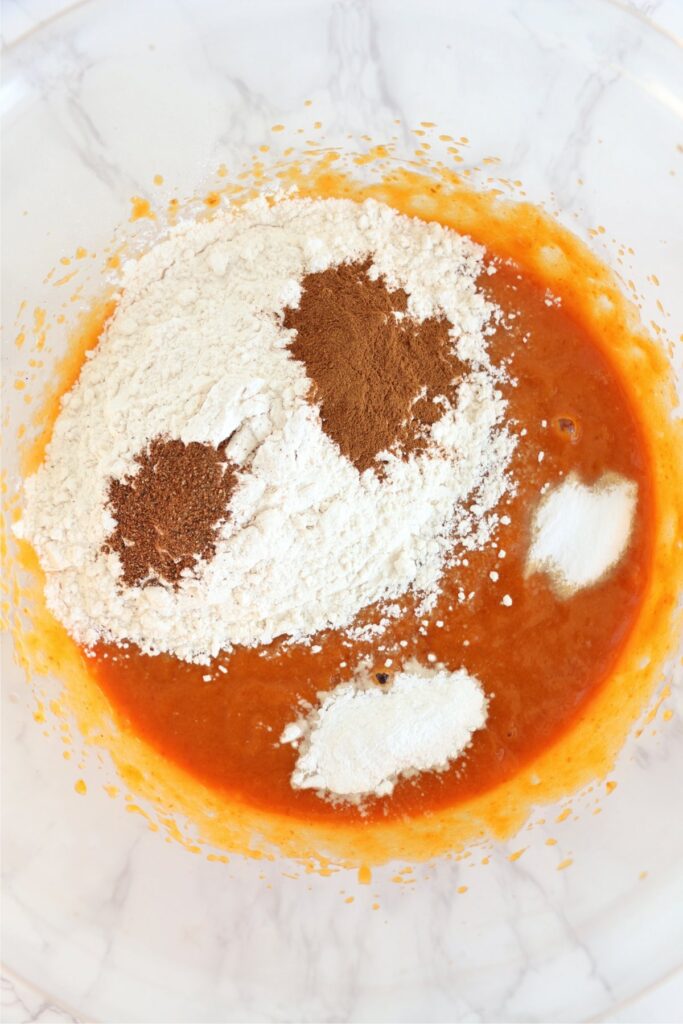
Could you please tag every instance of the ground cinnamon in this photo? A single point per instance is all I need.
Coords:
(168, 512)
(376, 372)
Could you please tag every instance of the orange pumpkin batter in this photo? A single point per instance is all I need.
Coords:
(540, 660)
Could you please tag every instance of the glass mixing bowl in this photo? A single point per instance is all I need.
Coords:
(582, 102)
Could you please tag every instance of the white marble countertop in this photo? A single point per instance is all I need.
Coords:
(23, 1002)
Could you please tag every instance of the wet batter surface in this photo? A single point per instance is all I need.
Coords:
(539, 658)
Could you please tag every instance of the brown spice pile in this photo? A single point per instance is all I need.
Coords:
(375, 376)
(168, 513)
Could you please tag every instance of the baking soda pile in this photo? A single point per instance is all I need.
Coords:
(579, 533)
(198, 352)
(363, 737)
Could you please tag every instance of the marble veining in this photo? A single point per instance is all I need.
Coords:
(98, 911)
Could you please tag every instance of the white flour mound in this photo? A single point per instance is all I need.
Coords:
(196, 350)
(361, 739)
(581, 532)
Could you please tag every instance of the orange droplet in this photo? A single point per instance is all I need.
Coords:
(140, 208)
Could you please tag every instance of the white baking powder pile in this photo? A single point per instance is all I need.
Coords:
(196, 350)
(580, 532)
(362, 737)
